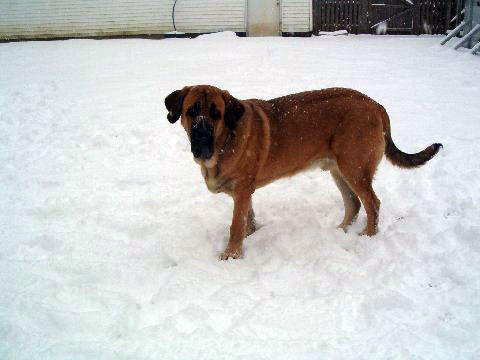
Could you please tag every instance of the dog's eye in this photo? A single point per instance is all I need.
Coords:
(214, 113)
(194, 110)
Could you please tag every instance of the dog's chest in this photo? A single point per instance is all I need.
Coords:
(215, 183)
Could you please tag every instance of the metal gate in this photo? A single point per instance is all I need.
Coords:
(382, 16)
(394, 16)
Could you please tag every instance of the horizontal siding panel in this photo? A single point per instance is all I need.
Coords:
(79, 6)
(107, 15)
(58, 18)
(209, 16)
(290, 10)
(133, 3)
(296, 16)
(95, 18)
(99, 18)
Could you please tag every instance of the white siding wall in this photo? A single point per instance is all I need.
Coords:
(199, 16)
(296, 16)
(57, 18)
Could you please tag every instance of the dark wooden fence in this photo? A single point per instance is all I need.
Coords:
(383, 16)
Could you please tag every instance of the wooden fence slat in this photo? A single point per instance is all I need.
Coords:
(339, 10)
(440, 9)
(421, 15)
(341, 14)
(322, 15)
(333, 4)
(336, 10)
(437, 5)
(327, 15)
(415, 17)
(428, 17)
(355, 16)
(350, 17)
(333, 13)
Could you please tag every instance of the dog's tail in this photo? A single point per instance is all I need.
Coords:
(401, 159)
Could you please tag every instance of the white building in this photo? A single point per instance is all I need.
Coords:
(31, 19)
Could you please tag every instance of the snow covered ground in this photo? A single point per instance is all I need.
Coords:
(109, 237)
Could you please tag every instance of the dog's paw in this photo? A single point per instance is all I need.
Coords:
(230, 252)
(342, 227)
(368, 232)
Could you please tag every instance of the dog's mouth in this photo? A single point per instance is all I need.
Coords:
(202, 150)
(208, 163)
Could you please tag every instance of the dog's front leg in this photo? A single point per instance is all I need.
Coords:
(242, 197)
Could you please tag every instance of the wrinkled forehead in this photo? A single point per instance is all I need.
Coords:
(204, 96)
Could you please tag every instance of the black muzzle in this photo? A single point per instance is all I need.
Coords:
(202, 138)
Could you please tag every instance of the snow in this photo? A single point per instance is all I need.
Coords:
(333, 33)
(110, 238)
(218, 36)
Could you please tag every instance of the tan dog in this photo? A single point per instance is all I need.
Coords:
(242, 145)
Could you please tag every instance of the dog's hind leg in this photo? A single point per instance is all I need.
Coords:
(350, 200)
(359, 178)
(371, 204)
(358, 147)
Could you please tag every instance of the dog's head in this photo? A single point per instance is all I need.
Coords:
(207, 114)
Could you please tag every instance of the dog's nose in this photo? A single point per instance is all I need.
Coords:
(197, 151)
(202, 138)
(204, 152)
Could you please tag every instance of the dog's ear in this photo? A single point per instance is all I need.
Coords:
(174, 104)
(233, 110)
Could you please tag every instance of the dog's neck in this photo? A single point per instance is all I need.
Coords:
(227, 142)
